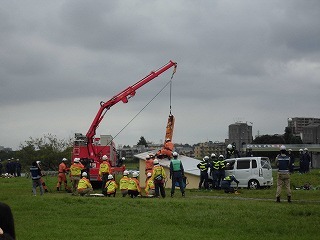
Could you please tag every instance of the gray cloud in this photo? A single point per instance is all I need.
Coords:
(255, 61)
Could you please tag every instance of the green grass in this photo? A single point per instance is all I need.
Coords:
(202, 214)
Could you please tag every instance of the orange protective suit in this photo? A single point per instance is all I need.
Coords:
(167, 149)
(63, 169)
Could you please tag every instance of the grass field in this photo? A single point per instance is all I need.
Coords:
(201, 214)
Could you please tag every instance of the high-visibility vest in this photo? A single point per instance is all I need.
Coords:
(134, 184)
(104, 168)
(84, 183)
(176, 165)
(111, 186)
(75, 169)
(124, 182)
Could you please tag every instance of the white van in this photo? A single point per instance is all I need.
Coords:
(251, 172)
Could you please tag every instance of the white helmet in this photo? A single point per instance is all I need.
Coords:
(290, 150)
(156, 161)
(125, 173)
(123, 158)
(229, 146)
(306, 149)
(148, 157)
(76, 160)
(38, 162)
(175, 154)
(149, 174)
(110, 177)
(221, 156)
(64, 159)
(84, 174)
(206, 158)
(168, 139)
(213, 155)
(104, 157)
(300, 150)
(283, 147)
(135, 174)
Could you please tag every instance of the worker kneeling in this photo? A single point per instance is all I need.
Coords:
(84, 185)
(111, 187)
(226, 184)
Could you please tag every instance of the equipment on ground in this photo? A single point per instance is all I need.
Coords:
(90, 148)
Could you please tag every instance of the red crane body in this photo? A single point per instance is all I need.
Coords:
(86, 147)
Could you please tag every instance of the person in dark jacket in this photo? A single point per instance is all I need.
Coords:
(306, 160)
(204, 166)
(7, 230)
(291, 156)
(18, 168)
(283, 179)
(226, 184)
(36, 178)
(176, 173)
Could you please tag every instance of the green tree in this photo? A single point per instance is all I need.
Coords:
(142, 141)
(271, 139)
(48, 149)
(290, 138)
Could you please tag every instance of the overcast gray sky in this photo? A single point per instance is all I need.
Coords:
(250, 60)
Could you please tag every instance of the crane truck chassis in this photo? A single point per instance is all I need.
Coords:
(90, 148)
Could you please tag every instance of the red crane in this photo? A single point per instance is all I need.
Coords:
(85, 147)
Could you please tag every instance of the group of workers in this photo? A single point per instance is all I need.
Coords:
(12, 168)
(217, 172)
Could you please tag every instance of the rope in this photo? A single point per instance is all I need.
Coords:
(144, 108)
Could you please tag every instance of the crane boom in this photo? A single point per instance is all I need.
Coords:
(123, 96)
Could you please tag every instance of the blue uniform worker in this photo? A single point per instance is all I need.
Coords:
(226, 184)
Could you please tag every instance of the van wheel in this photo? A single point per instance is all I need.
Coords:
(253, 184)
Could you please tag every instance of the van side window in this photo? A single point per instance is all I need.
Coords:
(254, 163)
(245, 164)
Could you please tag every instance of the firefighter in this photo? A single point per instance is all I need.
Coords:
(111, 187)
(75, 174)
(62, 177)
(166, 149)
(176, 174)
(158, 176)
(150, 188)
(41, 179)
(204, 166)
(222, 166)
(226, 184)
(104, 171)
(134, 186)
(149, 164)
(84, 185)
(214, 168)
(283, 178)
(124, 182)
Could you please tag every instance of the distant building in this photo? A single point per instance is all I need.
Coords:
(311, 134)
(207, 148)
(240, 133)
(298, 123)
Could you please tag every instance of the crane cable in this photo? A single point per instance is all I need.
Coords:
(174, 71)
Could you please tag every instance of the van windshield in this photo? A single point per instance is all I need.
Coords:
(265, 163)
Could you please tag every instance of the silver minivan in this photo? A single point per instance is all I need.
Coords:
(251, 172)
